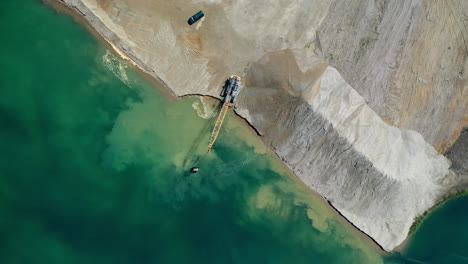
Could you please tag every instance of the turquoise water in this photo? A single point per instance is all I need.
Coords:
(441, 238)
(95, 160)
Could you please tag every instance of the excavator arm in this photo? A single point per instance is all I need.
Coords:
(218, 124)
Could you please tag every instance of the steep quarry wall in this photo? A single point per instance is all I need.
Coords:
(408, 59)
(458, 154)
(404, 61)
(378, 176)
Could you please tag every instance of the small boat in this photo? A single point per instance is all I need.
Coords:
(194, 169)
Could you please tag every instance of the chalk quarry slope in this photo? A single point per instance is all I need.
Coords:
(348, 144)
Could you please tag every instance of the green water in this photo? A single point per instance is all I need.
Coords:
(95, 158)
(441, 238)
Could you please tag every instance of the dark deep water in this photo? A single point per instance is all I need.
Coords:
(441, 238)
(94, 169)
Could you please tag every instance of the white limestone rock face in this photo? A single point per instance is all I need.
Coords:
(378, 176)
(405, 162)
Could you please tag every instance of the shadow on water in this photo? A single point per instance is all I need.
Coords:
(199, 140)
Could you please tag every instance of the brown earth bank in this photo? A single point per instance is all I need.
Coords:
(408, 59)
(401, 65)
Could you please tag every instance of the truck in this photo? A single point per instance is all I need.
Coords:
(195, 17)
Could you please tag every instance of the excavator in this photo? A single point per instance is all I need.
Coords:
(229, 94)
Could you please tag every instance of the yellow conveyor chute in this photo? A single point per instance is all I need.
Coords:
(218, 124)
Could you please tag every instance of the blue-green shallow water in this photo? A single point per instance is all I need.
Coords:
(94, 167)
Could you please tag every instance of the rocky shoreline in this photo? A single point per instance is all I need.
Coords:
(326, 126)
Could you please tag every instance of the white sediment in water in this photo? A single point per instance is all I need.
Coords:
(203, 109)
(116, 67)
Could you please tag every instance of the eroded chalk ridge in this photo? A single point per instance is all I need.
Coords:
(378, 204)
(378, 176)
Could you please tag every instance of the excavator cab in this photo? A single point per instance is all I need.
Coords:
(231, 89)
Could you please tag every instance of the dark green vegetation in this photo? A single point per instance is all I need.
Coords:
(420, 219)
(364, 44)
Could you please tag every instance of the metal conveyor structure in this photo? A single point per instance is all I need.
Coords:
(230, 91)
